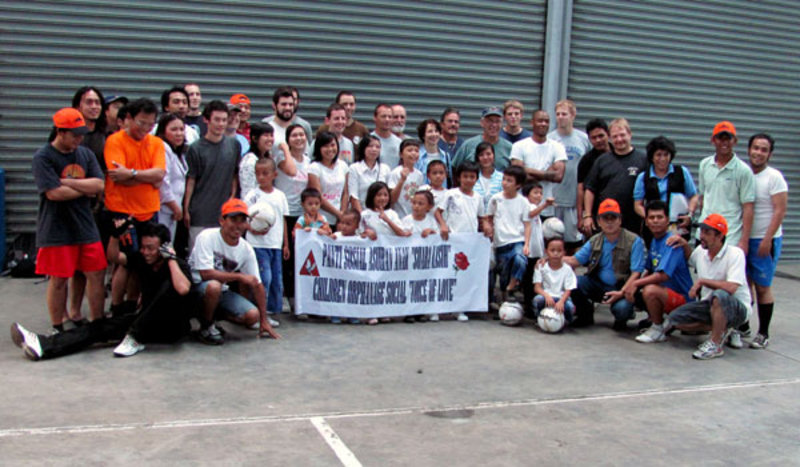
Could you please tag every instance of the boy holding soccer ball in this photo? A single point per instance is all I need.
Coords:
(553, 281)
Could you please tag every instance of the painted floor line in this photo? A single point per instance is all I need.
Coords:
(345, 455)
(197, 423)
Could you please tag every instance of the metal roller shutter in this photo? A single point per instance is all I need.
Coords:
(678, 67)
(426, 55)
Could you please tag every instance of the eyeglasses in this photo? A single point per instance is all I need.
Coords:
(144, 125)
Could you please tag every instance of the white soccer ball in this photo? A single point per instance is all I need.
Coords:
(550, 320)
(262, 216)
(510, 313)
(553, 227)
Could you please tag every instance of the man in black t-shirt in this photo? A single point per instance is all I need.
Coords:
(613, 175)
(167, 304)
(597, 130)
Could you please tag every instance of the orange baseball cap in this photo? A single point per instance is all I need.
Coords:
(70, 119)
(716, 222)
(233, 207)
(609, 206)
(724, 127)
(240, 99)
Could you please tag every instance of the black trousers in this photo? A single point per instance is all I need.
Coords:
(165, 319)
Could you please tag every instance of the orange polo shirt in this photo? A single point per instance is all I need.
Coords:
(140, 200)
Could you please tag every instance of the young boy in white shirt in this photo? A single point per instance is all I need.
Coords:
(270, 245)
(554, 281)
(508, 213)
(461, 209)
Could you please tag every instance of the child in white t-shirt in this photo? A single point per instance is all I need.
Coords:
(348, 226)
(534, 192)
(437, 175)
(404, 180)
(554, 281)
(271, 245)
(508, 213)
(420, 221)
(461, 209)
(377, 219)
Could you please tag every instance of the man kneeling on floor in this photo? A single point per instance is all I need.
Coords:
(721, 285)
(219, 259)
(667, 281)
(167, 304)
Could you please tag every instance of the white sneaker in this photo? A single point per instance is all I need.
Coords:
(27, 341)
(128, 347)
(735, 339)
(653, 334)
(462, 317)
(273, 322)
(433, 318)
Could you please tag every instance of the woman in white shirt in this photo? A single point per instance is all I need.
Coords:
(171, 129)
(367, 170)
(328, 174)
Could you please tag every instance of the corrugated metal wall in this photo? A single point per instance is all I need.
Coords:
(676, 67)
(426, 55)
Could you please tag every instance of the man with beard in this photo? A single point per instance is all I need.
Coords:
(284, 105)
(399, 121)
(451, 122)
(614, 176)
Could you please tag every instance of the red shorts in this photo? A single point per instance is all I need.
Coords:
(63, 261)
(674, 300)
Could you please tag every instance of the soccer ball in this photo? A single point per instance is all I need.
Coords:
(262, 216)
(553, 227)
(550, 320)
(510, 313)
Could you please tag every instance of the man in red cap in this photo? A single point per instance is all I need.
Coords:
(614, 260)
(67, 176)
(721, 288)
(220, 258)
(727, 186)
(243, 102)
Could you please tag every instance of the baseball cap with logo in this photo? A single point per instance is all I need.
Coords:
(493, 110)
(240, 99)
(609, 206)
(724, 127)
(716, 222)
(70, 119)
(233, 207)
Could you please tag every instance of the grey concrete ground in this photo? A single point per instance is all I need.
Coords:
(431, 394)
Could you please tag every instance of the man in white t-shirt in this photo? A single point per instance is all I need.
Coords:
(544, 159)
(284, 104)
(390, 143)
(764, 249)
(220, 257)
(335, 122)
(721, 288)
(576, 144)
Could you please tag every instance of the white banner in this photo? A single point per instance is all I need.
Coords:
(392, 276)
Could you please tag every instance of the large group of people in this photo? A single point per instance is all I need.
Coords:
(162, 203)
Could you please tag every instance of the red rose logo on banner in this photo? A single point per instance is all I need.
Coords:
(462, 262)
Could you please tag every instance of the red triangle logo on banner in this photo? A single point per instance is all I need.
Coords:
(309, 266)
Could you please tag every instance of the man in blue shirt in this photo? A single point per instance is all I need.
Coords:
(667, 284)
(614, 260)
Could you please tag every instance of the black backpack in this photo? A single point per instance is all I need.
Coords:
(20, 259)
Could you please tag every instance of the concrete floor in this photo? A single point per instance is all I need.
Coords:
(430, 394)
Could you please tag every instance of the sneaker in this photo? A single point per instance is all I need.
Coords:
(708, 350)
(128, 347)
(654, 333)
(211, 336)
(273, 322)
(255, 326)
(421, 318)
(27, 341)
(760, 342)
(336, 320)
(735, 339)
(409, 319)
(746, 334)
(644, 324)
(302, 317)
(433, 318)
(354, 321)
(462, 317)
(372, 321)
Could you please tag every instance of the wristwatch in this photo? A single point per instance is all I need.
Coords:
(133, 174)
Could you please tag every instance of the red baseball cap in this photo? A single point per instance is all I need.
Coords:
(724, 127)
(70, 119)
(716, 222)
(609, 206)
(233, 207)
(240, 99)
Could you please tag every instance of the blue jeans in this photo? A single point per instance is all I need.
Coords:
(540, 303)
(510, 262)
(270, 270)
(591, 289)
